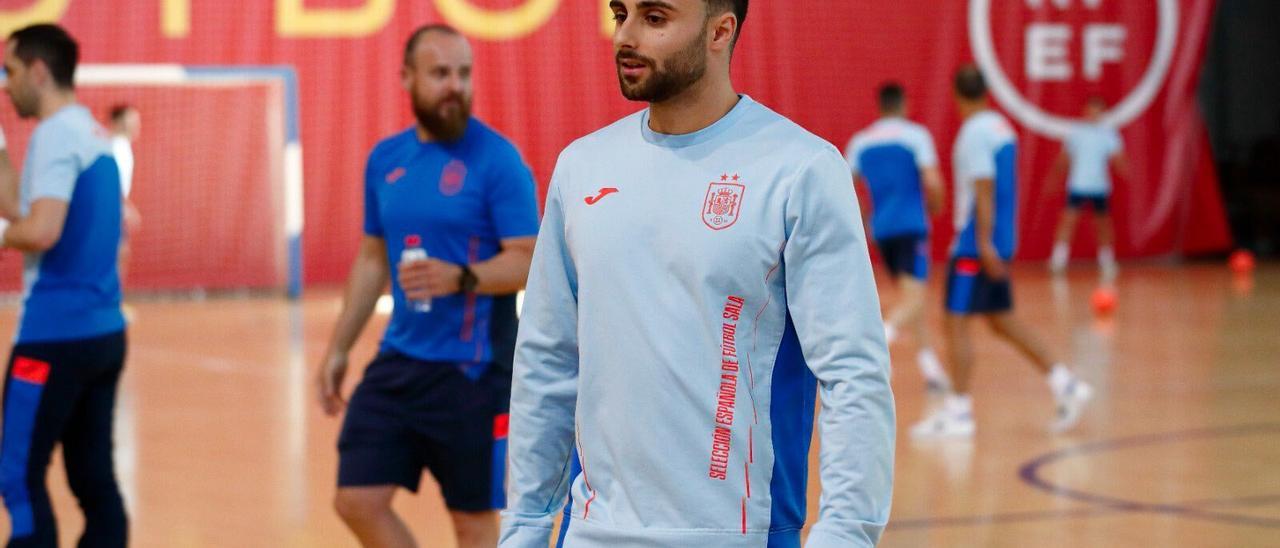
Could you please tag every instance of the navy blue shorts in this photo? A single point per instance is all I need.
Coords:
(970, 291)
(1100, 203)
(906, 255)
(408, 414)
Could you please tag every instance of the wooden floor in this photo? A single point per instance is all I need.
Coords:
(220, 443)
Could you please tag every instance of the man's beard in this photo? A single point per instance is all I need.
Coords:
(678, 73)
(444, 126)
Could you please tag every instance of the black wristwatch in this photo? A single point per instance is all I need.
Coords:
(467, 280)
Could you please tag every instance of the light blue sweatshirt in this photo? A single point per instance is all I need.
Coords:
(689, 298)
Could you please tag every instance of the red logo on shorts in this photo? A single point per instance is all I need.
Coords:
(724, 200)
(968, 267)
(500, 425)
(453, 177)
(29, 370)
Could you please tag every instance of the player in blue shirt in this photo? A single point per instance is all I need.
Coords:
(436, 395)
(701, 279)
(1088, 153)
(985, 163)
(60, 386)
(897, 160)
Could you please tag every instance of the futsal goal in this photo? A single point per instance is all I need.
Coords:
(217, 175)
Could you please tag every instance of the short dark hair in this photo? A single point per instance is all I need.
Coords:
(412, 43)
(891, 96)
(119, 110)
(970, 83)
(52, 45)
(738, 7)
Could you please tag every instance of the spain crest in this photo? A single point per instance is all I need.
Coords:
(453, 177)
(724, 200)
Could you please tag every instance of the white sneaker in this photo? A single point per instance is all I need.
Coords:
(935, 377)
(1071, 404)
(944, 424)
(1058, 267)
(1110, 271)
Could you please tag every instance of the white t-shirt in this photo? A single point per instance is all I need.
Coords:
(1091, 147)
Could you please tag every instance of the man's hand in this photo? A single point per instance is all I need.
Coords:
(329, 383)
(422, 280)
(992, 265)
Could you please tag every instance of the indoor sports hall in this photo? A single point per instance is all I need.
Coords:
(249, 188)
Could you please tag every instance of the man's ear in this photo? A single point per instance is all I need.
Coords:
(723, 29)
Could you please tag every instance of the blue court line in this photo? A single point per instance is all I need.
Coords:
(1058, 515)
(1101, 505)
(1030, 474)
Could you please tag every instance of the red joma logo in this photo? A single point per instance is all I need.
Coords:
(592, 200)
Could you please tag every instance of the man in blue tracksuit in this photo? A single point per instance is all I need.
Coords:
(60, 386)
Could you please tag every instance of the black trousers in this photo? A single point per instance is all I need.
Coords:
(62, 392)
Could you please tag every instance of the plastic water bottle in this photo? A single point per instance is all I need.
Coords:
(413, 252)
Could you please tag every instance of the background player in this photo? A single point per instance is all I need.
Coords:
(1090, 149)
(899, 163)
(663, 333)
(437, 393)
(985, 164)
(126, 125)
(70, 347)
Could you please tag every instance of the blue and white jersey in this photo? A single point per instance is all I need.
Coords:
(461, 199)
(689, 295)
(889, 155)
(1091, 147)
(986, 148)
(72, 290)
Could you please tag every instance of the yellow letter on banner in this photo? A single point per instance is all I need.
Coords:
(293, 19)
(503, 24)
(175, 18)
(606, 19)
(40, 11)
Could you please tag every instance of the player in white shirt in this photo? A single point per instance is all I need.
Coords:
(126, 124)
(896, 159)
(1089, 150)
(985, 165)
(701, 279)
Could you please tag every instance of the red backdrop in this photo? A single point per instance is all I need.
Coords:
(815, 61)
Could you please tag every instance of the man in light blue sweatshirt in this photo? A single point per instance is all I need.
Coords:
(700, 277)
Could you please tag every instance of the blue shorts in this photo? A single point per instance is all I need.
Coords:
(409, 414)
(970, 291)
(1101, 203)
(906, 255)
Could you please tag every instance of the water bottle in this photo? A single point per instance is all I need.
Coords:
(414, 252)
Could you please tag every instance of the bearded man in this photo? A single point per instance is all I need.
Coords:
(450, 211)
(701, 275)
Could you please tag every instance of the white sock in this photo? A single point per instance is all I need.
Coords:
(958, 404)
(1106, 255)
(1060, 378)
(1061, 252)
(890, 333)
(930, 365)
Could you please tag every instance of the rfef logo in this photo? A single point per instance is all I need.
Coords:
(721, 206)
(453, 177)
(1088, 45)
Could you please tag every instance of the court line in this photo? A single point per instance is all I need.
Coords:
(1030, 474)
(1055, 515)
(1101, 505)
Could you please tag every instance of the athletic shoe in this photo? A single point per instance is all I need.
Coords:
(1071, 404)
(944, 423)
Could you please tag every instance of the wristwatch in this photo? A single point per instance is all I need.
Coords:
(467, 280)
